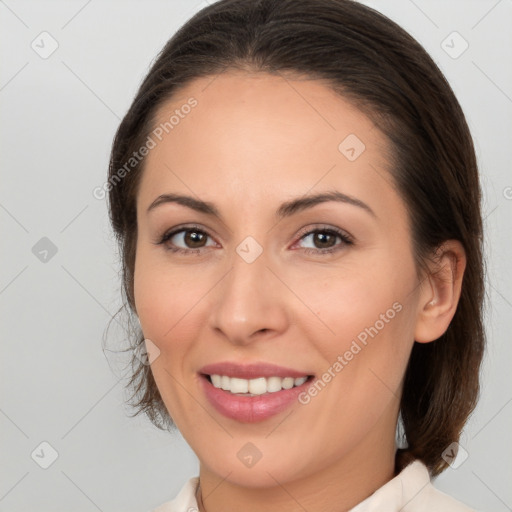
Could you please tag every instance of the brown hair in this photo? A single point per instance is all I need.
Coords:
(382, 70)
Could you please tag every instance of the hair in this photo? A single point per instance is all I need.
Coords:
(377, 66)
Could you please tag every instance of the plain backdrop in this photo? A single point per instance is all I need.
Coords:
(68, 73)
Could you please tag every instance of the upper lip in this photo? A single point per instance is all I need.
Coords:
(251, 371)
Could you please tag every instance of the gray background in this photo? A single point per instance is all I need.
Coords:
(58, 117)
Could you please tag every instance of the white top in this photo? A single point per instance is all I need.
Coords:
(409, 491)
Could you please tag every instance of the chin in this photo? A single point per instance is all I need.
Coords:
(246, 465)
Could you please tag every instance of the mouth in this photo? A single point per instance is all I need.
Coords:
(255, 387)
(252, 393)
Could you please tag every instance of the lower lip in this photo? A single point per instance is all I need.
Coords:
(251, 409)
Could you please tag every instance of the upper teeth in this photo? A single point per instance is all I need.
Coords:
(255, 386)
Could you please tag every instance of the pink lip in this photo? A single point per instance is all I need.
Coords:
(250, 409)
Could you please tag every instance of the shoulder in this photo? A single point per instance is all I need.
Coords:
(411, 491)
(185, 501)
(419, 495)
(438, 500)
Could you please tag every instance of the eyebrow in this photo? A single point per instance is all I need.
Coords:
(286, 209)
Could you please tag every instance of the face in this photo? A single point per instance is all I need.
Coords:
(264, 286)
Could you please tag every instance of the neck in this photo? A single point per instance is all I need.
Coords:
(338, 487)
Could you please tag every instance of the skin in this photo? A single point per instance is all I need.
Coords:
(254, 141)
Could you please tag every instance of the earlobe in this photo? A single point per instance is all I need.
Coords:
(438, 301)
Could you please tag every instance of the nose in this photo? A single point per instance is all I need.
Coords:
(249, 303)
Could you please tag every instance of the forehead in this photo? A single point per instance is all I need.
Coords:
(278, 109)
(258, 136)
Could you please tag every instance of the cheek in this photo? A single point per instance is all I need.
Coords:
(366, 334)
(355, 304)
(162, 297)
(372, 332)
(164, 302)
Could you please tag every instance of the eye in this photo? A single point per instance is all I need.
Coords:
(191, 238)
(323, 240)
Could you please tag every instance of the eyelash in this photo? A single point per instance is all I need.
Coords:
(345, 237)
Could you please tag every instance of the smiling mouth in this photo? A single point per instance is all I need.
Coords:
(257, 386)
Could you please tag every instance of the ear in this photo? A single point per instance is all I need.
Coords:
(440, 292)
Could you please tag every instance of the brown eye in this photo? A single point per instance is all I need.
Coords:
(185, 240)
(194, 239)
(322, 241)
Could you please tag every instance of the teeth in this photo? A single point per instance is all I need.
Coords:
(257, 386)
(288, 383)
(274, 384)
(239, 385)
(225, 383)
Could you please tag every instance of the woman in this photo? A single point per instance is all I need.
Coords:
(296, 197)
